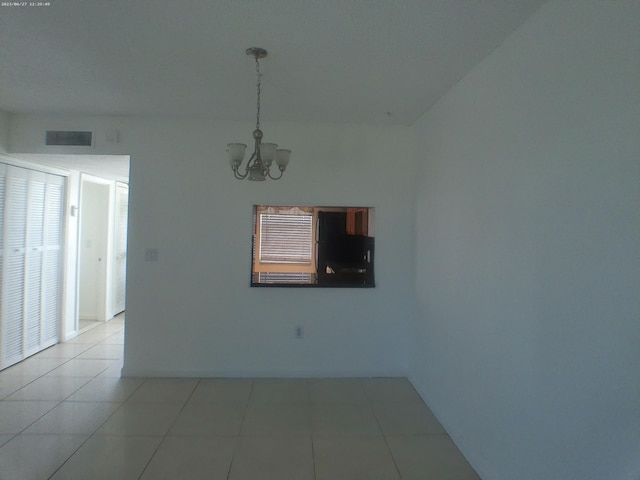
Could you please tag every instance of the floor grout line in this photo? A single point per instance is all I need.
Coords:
(364, 392)
(59, 402)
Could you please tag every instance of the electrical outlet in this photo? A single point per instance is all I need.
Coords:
(299, 331)
(151, 255)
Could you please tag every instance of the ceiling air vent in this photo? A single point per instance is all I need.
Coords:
(74, 139)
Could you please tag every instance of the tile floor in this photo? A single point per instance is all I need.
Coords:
(65, 413)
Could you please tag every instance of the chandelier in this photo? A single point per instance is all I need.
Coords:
(259, 165)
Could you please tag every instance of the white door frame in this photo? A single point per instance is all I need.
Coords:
(103, 311)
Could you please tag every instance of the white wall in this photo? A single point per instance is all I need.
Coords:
(4, 132)
(527, 343)
(70, 305)
(193, 312)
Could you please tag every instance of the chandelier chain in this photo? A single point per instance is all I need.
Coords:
(258, 89)
(258, 167)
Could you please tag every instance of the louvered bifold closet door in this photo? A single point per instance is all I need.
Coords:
(33, 262)
(13, 287)
(3, 188)
(52, 265)
(30, 290)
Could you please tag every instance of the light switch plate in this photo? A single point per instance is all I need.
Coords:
(151, 255)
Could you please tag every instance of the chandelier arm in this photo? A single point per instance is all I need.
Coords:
(252, 159)
(275, 178)
(240, 176)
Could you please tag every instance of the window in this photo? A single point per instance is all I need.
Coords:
(286, 238)
(312, 246)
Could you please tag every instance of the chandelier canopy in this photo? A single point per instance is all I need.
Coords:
(259, 165)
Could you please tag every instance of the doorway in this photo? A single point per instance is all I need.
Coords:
(93, 253)
(94, 264)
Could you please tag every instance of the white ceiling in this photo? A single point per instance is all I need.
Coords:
(360, 61)
(111, 167)
(338, 61)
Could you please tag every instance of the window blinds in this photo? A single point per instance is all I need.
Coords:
(286, 238)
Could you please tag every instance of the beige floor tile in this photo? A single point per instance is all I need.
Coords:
(114, 370)
(141, 419)
(109, 458)
(162, 390)
(16, 416)
(90, 337)
(222, 390)
(353, 457)
(429, 456)
(116, 339)
(50, 388)
(337, 390)
(84, 325)
(277, 417)
(12, 383)
(273, 457)
(209, 419)
(107, 389)
(73, 418)
(35, 457)
(77, 367)
(14, 372)
(344, 418)
(390, 390)
(267, 390)
(36, 366)
(215, 428)
(64, 350)
(193, 458)
(406, 418)
(4, 438)
(104, 352)
(111, 327)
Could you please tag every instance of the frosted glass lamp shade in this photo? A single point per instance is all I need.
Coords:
(268, 153)
(282, 158)
(235, 152)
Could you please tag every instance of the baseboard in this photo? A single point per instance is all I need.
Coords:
(242, 373)
(459, 441)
